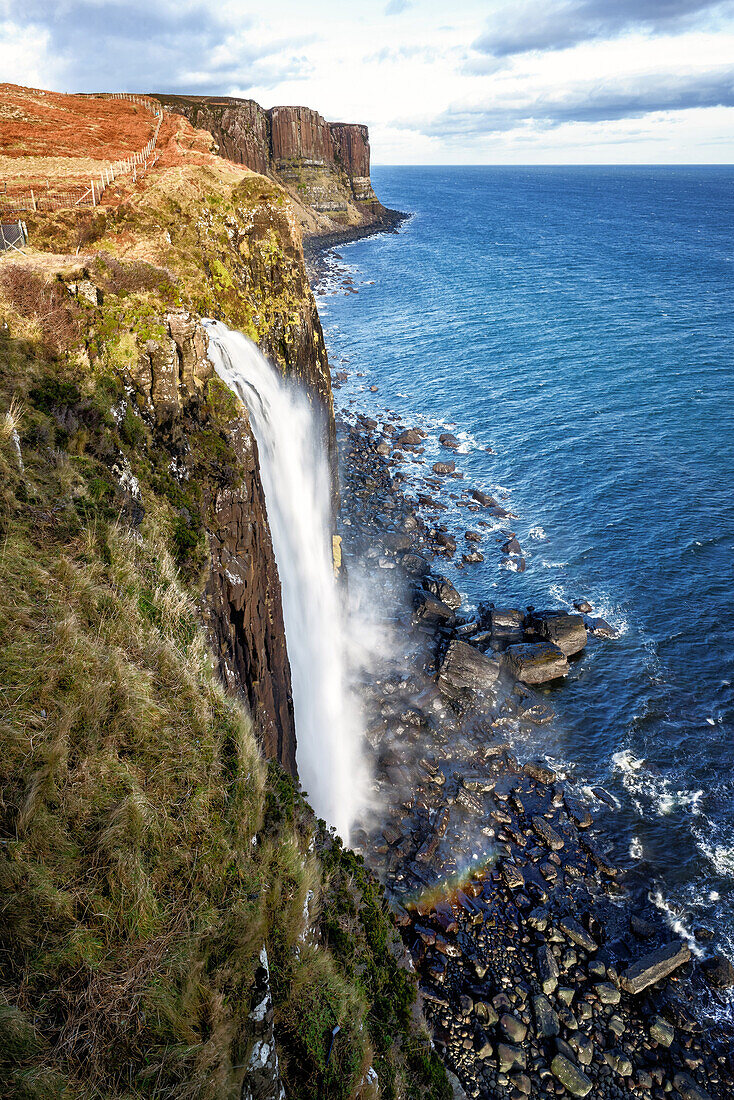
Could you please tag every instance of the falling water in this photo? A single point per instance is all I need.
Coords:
(295, 476)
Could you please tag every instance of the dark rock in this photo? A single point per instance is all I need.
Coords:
(416, 565)
(600, 628)
(410, 438)
(688, 1088)
(512, 546)
(433, 610)
(540, 772)
(535, 663)
(443, 590)
(718, 972)
(577, 934)
(583, 606)
(547, 969)
(547, 1023)
(444, 468)
(547, 834)
(448, 440)
(655, 966)
(512, 1028)
(571, 1077)
(562, 629)
(466, 670)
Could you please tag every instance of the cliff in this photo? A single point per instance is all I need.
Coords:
(175, 922)
(324, 166)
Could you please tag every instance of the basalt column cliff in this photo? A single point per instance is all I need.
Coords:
(325, 166)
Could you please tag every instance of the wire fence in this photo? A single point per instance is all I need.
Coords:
(58, 198)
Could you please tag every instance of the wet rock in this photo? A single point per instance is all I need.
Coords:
(688, 1088)
(547, 969)
(535, 663)
(662, 1032)
(434, 610)
(444, 468)
(600, 628)
(509, 1056)
(608, 994)
(415, 564)
(443, 590)
(547, 834)
(512, 1028)
(583, 606)
(512, 546)
(540, 772)
(570, 1076)
(718, 972)
(448, 440)
(655, 966)
(466, 670)
(472, 557)
(564, 630)
(410, 438)
(577, 934)
(547, 1023)
(619, 1062)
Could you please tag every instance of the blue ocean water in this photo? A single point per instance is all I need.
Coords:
(580, 322)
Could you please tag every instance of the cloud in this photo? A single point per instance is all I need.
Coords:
(155, 46)
(397, 7)
(524, 25)
(597, 102)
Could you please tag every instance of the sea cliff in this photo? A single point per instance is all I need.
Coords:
(324, 166)
(176, 922)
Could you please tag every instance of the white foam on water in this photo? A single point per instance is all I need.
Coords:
(636, 849)
(651, 789)
(295, 474)
(537, 533)
(674, 918)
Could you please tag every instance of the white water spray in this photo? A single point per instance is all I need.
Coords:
(295, 475)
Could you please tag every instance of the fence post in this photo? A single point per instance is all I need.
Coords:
(94, 201)
(33, 200)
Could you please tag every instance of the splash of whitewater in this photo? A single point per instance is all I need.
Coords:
(295, 474)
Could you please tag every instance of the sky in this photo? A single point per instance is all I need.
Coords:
(468, 82)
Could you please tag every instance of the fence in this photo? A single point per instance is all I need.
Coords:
(34, 199)
(13, 236)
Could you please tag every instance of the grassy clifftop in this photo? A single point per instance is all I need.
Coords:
(148, 852)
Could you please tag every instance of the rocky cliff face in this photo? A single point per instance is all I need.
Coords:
(324, 165)
(241, 605)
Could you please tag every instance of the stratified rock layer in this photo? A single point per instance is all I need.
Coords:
(324, 165)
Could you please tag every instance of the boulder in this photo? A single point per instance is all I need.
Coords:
(571, 1077)
(535, 663)
(410, 438)
(433, 610)
(512, 546)
(415, 564)
(466, 670)
(443, 590)
(449, 440)
(444, 468)
(561, 628)
(654, 967)
(718, 972)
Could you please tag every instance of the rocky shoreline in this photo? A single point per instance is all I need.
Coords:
(316, 248)
(544, 970)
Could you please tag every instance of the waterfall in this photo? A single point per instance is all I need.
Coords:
(295, 474)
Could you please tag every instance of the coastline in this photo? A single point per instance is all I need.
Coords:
(315, 245)
(496, 786)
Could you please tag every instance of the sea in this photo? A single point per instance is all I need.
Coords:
(574, 328)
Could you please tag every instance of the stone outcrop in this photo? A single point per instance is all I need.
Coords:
(324, 165)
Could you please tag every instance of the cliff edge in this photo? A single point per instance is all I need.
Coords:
(324, 166)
